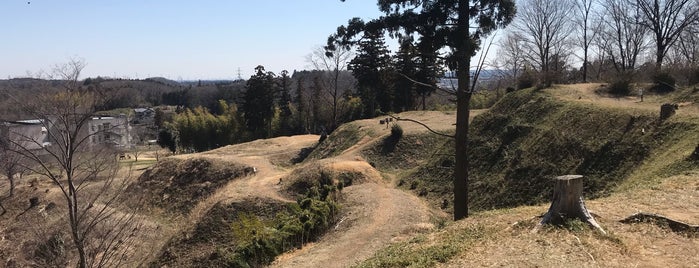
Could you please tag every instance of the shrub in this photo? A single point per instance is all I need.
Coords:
(52, 252)
(396, 132)
(663, 83)
(526, 80)
(694, 76)
(620, 87)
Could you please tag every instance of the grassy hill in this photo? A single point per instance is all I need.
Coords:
(631, 161)
(369, 198)
(529, 137)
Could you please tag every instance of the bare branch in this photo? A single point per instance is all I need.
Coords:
(422, 124)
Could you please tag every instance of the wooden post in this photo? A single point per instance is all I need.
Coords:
(568, 203)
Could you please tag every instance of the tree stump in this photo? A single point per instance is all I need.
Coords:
(568, 203)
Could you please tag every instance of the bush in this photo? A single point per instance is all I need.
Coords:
(396, 132)
(526, 80)
(664, 83)
(620, 87)
(694, 76)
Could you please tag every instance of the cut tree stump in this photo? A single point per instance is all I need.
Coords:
(568, 203)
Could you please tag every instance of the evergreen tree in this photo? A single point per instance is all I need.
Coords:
(258, 103)
(316, 105)
(459, 26)
(368, 67)
(405, 65)
(303, 116)
(284, 105)
(429, 64)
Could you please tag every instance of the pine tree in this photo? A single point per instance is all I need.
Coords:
(368, 67)
(459, 26)
(284, 105)
(258, 103)
(405, 67)
(303, 116)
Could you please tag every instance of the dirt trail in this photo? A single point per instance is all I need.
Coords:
(375, 213)
(260, 155)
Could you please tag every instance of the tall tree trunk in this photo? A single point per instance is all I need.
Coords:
(659, 55)
(463, 98)
(78, 240)
(584, 74)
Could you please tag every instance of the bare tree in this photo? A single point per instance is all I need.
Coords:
(586, 29)
(335, 80)
(622, 37)
(666, 20)
(511, 56)
(545, 26)
(686, 52)
(10, 163)
(85, 174)
(688, 45)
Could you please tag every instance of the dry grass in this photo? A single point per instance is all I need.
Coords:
(503, 237)
(397, 228)
(665, 183)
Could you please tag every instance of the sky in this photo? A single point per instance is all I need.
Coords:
(175, 39)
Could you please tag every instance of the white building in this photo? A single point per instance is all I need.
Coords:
(109, 130)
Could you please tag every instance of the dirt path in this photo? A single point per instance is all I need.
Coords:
(260, 155)
(375, 213)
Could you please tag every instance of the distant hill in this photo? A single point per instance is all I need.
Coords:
(163, 80)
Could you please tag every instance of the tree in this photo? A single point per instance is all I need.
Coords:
(666, 20)
(405, 64)
(368, 67)
(622, 37)
(685, 54)
(258, 103)
(167, 140)
(459, 25)
(304, 115)
(198, 130)
(85, 174)
(545, 26)
(429, 61)
(511, 56)
(334, 79)
(687, 49)
(284, 104)
(586, 28)
(10, 163)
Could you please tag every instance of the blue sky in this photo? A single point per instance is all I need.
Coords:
(196, 39)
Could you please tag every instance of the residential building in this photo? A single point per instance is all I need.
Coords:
(110, 130)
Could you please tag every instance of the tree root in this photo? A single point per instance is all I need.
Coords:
(664, 222)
